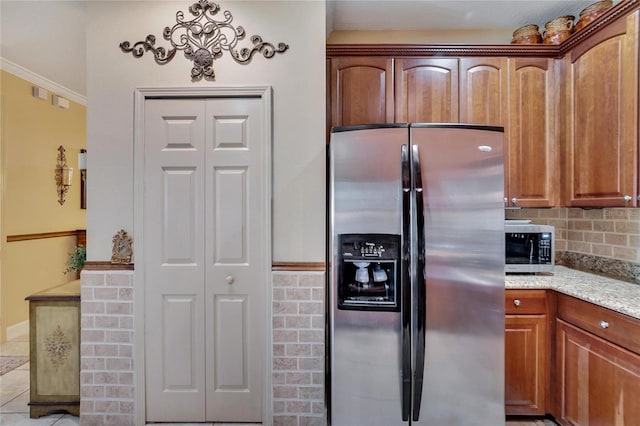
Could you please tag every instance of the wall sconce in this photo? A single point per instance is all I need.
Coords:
(82, 165)
(64, 174)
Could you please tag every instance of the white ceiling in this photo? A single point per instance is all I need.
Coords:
(49, 37)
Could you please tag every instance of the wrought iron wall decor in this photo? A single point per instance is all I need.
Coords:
(203, 39)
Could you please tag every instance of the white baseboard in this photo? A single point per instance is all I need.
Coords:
(18, 330)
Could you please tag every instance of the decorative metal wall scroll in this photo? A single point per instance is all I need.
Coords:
(203, 39)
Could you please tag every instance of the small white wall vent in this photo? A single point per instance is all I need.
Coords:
(39, 92)
(60, 102)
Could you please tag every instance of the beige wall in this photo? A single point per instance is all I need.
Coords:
(32, 130)
(421, 37)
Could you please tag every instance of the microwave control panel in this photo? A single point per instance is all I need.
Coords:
(545, 247)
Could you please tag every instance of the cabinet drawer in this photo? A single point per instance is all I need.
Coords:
(525, 302)
(612, 326)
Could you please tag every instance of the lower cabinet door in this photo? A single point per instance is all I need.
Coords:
(55, 356)
(598, 382)
(526, 364)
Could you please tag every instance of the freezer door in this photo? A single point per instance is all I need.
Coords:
(462, 195)
(364, 338)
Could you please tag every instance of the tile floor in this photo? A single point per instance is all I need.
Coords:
(14, 396)
(14, 392)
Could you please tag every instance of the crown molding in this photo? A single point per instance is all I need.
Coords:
(41, 81)
(442, 50)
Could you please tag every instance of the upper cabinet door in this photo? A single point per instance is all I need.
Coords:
(361, 90)
(484, 100)
(426, 90)
(483, 91)
(602, 134)
(532, 178)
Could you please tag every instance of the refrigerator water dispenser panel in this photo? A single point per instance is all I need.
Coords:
(367, 272)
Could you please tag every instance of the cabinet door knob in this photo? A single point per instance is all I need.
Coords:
(506, 200)
(230, 279)
(516, 302)
(604, 324)
(514, 200)
(627, 198)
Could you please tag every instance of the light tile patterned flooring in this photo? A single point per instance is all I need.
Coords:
(14, 396)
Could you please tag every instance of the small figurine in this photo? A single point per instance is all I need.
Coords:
(122, 251)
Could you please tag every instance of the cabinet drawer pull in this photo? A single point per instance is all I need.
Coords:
(516, 302)
(604, 324)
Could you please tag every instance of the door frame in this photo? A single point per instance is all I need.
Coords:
(140, 96)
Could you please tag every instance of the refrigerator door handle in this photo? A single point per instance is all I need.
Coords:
(405, 284)
(420, 286)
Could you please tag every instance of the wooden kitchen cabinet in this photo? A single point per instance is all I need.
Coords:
(54, 321)
(531, 174)
(361, 90)
(483, 91)
(526, 352)
(364, 90)
(601, 102)
(426, 90)
(598, 365)
(367, 90)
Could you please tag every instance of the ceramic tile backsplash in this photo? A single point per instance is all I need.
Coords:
(601, 240)
(554, 217)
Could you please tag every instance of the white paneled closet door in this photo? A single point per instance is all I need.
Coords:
(205, 289)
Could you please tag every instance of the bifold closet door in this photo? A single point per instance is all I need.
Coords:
(204, 283)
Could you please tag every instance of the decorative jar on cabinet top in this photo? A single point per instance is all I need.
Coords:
(592, 12)
(527, 34)
(558, 30)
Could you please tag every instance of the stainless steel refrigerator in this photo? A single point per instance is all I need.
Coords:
(416, 275)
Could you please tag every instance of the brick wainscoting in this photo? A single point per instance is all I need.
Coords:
(298, 348)
(107, 349)
(107, 387)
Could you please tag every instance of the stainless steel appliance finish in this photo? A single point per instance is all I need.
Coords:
(529, 248)
(436, 356)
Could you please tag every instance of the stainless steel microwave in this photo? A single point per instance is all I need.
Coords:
(529, 248)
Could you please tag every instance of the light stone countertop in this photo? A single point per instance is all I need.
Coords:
(619, 296)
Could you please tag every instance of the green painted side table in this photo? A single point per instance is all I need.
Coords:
(54, 325)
